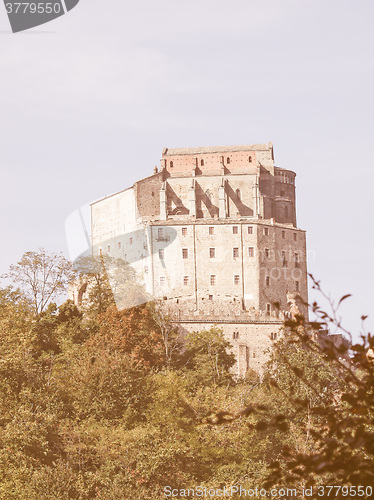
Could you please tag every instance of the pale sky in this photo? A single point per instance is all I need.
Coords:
(89, 100)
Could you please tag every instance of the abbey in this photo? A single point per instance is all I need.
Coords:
(213, 234)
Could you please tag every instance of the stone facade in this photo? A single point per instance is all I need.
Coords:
(213, 233)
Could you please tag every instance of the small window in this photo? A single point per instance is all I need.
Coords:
(251, 252)
(228, 161)
(250, 159)
(212, 253)
(235, 335)
(268, 308)
(211, 230)
(184, 231)
(284, 261)
(250, 229)
(235, 253)
(297, 286)
(210, 297)
(213, 279)
(234, 229)
(267, 281)
(267, 253)
(186, 280)
(108, 248)
(236, 279)
(273, 336)
(294, 236)
(282, 193)
(130, 241)
(254, 354)
(266, 231)
(202, 163)
(171, 164)
(119, 245)
(161, 253)
(297, 260)
(162, 280)
(185, 253)
(283, 235)
(238, 194)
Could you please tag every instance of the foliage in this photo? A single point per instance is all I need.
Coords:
(111, 405)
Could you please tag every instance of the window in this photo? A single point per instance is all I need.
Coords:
(266, 231)
(268, 308)
(267, 281)
(235, 253)
(211, 230)
(228, 161)
(235, 335)
(185, 253)
(282, 193)
(119, 245)
(250, 229)
(250, 159)
(160, 232)
(267, 253)
(238, 194)
(283, 235)
(184, 231)
(162, 280)
(171, 164)
(186, 280)
(251, 252)
(294, 236)
(210, 297)
(212, 253)
(234, 229)
(284, 261)
(108, 248)
(130, 241)
(202, 163)
(297, 286)
(161, 253)
(236, 279)
(273, 336)
(286, 212)
(297, 260)
(212, 279)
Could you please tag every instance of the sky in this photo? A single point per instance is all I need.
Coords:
(89, 101)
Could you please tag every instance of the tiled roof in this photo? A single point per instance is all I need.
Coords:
(217, 149)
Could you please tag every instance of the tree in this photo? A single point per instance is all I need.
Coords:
(170, 336)
(42, 277)
(109, 282)
(207, 358)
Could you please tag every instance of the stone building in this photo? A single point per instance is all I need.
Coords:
(213, 233)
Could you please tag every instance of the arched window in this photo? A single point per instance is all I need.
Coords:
(238, 194)
(171, 164)
(250, 159)
(228, 161)
(202, 163)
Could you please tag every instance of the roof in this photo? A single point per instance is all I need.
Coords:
(217, 149)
